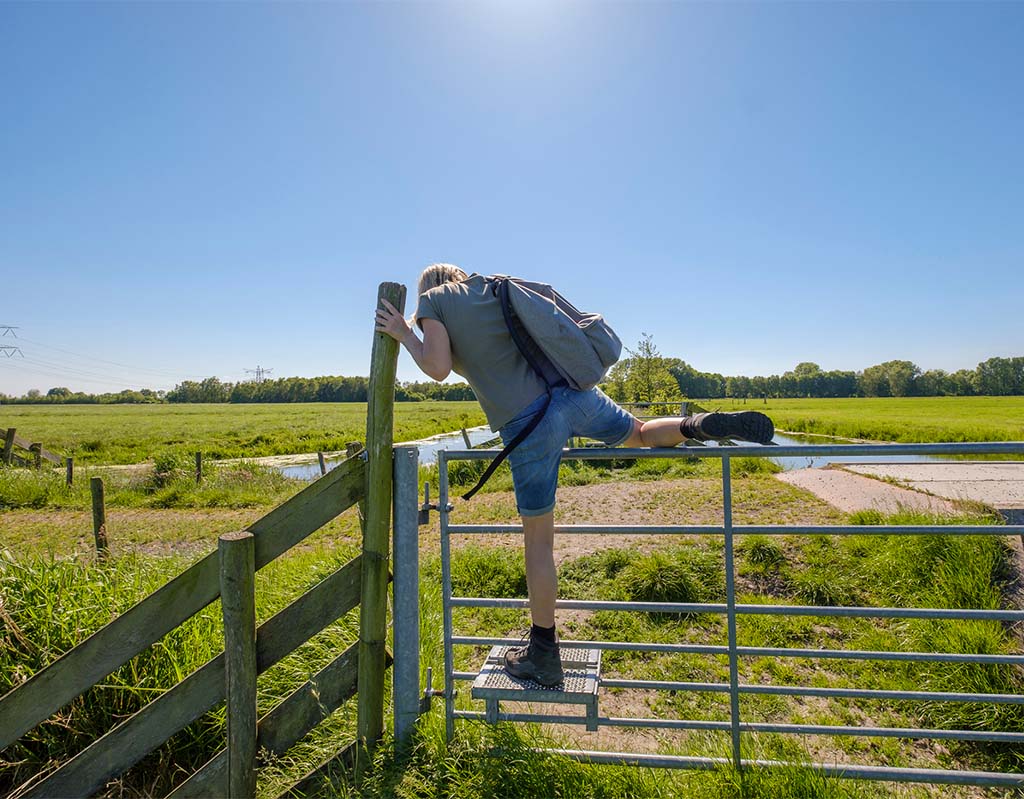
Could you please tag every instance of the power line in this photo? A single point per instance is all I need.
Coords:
(260, 373)
(157, 371)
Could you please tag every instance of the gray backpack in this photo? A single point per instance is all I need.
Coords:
(562, 344)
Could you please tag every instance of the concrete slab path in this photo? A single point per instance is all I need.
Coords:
(853, 492)
(999, 484)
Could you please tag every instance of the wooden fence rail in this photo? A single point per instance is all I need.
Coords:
(42, 695)
(202, 690)
(39, 453)
(249, 651)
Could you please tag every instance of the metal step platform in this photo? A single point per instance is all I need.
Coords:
(582, 669)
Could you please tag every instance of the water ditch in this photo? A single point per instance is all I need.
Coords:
(429, 447)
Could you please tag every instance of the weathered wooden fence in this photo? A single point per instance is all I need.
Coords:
(33, 453)
(231, 676)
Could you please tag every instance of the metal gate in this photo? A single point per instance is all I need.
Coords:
(736, 727)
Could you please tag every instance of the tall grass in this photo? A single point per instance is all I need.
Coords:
(170, 483)
(49, 606)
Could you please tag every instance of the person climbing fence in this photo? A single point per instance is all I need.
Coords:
(466, 328)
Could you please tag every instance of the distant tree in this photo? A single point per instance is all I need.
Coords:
(889, 379)
(962, 383)
(933, 383)
(999, 377)
(647, 378)
(60, 392)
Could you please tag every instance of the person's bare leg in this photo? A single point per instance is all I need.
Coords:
(541, 577)
(662, 432)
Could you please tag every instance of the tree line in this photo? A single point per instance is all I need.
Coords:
(285, 389)
(644, 376)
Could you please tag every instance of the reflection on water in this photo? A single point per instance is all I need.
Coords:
(428, 447)
(819, 460)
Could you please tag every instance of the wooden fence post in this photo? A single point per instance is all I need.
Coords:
(199, 468)
(323, 463)
(69, 465)
(376, 538)
(37, 454)
(99, 518)
(9, 445)
(237, 555)
(465, 439)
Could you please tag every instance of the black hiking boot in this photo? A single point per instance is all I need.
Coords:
(743, 425)
(539, 661)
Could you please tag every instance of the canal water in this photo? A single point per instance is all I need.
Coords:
(429, 447)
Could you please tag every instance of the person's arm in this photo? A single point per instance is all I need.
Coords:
(433, 355)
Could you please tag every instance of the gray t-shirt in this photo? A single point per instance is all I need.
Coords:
(482, 349)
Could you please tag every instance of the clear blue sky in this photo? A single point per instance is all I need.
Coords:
(190, 189)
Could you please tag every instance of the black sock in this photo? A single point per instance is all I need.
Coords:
(545, 634)
(690, 428)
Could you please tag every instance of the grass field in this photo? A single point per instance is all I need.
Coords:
(120, 434)
(903, 419)
(114, 434)
(52, 595)
(51, 604)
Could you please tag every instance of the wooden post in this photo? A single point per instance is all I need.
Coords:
(323, 463)
(37, 454)
(99, 518)
(69, 464)
(465, 438)
(9, 445)
(199, 468)
(373, 607)
(237, 555)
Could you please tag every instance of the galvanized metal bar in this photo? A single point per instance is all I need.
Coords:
(446, 596)
(757, 610)
(761, 529)
(603, 721)
(615, 646)
(668, 685)
(855, 654)
(938, 776)
(588, 604)
(757, 651)
(881, 451)
(880, 529)
(880, 613)
(406, 588)
(888, 732)
(870, 693)
(725, 726)
(730, 601)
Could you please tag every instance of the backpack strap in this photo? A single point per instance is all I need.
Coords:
(500, 288)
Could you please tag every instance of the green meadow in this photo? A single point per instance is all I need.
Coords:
(51, 604)
(54, 594)
(901, 419)
(120, 434)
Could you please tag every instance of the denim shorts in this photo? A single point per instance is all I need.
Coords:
(571, 413)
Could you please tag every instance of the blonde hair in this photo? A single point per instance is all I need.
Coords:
(436, 274)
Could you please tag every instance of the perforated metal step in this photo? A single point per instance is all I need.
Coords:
(582, 668)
